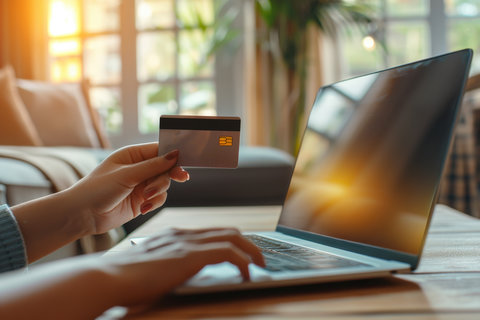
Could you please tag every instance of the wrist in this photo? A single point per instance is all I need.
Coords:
(51, 222)
(120, 279)
(107, 279)
(95, 290)
(78, 218)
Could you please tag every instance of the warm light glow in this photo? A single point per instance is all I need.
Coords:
(369, 43)
(73, 71)
(144, 11)
(66, 70)
(56, 72)
(61, 48)
(64, 19)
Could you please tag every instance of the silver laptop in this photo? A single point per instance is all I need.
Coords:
(365, 180)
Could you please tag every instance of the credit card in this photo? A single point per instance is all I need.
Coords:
(203, 141)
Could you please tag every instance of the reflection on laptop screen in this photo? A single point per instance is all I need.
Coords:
(373, 152)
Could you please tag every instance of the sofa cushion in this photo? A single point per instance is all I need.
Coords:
(16, 126)
(59, 112)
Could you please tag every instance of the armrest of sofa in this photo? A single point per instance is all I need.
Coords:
(22, 182)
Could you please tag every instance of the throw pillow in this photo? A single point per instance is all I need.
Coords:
(16, 126)
(59, 112)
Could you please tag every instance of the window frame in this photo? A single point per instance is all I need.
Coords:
(229, 88)
(227, 81)
(436, 19)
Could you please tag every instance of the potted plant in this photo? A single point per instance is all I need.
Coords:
(286, 24)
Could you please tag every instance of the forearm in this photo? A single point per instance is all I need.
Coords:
(51, 222)
(71, 289)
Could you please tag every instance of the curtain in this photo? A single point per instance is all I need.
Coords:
(460, 183)
(24, 38)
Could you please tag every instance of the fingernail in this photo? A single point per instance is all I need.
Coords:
(145, 207)
(185, 172)
(149, 193)
(171, 155)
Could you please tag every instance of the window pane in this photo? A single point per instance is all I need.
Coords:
(156, 54)
(67, 47)
(107, 102)
(462, 7)
(102, 59)
(362, 54)
(463, 34)
(103, 15)
(407, 42)
(153, 101)
(195, 12)
(66, 70)
(152, 14)
(407, 7)
(194, 46)
(198, 98)
(63, 18)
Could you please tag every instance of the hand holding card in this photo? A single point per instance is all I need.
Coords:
(202, 141)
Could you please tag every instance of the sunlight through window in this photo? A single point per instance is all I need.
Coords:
(64, 18)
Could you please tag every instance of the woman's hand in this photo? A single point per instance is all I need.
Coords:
(160, 264)
(131, 181)
(84, 287)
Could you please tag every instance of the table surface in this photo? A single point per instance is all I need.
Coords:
(445, 286)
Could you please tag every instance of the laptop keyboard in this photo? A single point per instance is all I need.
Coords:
(284, 256)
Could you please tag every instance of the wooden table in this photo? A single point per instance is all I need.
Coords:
(445, 286)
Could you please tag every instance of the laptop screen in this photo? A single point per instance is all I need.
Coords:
(373, 152)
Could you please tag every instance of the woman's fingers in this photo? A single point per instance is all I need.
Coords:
(206, 236)
(234, 237)
(156, 186)
(136, 153)
(179, 174)
(153, 203)
(217, 252)
(136, 173)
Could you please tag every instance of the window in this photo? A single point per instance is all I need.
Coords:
(158, 60)
(89, 48)
(411, 30)
(174, 75)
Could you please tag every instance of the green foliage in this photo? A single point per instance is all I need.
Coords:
(219, 33)
(164, 93)
(289, 19)
(286, 28)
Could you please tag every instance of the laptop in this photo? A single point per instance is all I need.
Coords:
(365, 180)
